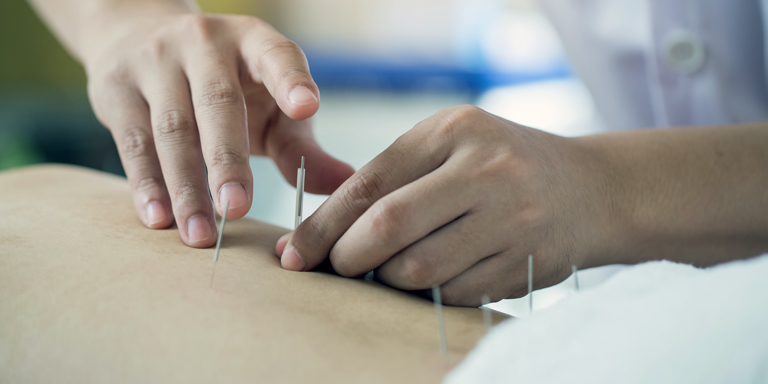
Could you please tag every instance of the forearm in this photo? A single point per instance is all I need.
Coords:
(77, 22)
(694, 195)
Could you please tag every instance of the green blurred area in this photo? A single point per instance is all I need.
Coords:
(31, 56)
(44, 110)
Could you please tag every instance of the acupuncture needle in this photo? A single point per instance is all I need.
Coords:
(530, 284)
(575, 276)
(299, 195)
(218, 242)
(440, 321)
(485, 300)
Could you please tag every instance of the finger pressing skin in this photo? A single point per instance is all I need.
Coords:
(443, 254)
(281, 243)
(125, 112)
(178, 148)
(220, 113)
(281, 65)
(402, 218)
(403, 162)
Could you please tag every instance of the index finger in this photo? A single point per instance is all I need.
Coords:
(414, 154)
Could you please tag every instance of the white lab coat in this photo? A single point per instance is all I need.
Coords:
(658, 63)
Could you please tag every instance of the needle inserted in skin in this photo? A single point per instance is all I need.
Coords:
(575, 276)
(299, 195)
(218, 242)
(530, 284)
(440, 321)
(485, 300)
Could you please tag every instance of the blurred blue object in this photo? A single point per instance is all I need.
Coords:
(466, 46)
(350, 72)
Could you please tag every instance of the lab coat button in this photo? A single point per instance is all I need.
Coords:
(683, 51)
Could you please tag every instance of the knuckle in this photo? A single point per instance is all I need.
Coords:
(388, 219)
(200, 25)
(277, 51)
(454, 121)
(225, 155)
(445, 131)
(148, 184)
(220, 93)
(362, 192)
(184, 192)
(102, 87)
(154, 49)
(293, 75)
(135, 143)
(463, 112)
(116, 74)
(173, 125)
(277, 46)
(418, 273)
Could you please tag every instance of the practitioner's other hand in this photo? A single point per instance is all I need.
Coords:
(182, 92)
(460, 201)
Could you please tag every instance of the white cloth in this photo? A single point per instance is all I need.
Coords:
(657, 322)
(658, 63)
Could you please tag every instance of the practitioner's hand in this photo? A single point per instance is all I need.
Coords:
(461, 201)
(182, 92)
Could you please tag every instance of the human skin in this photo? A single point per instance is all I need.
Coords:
(463, 198)
(181, 92)
(88, 295)
(460, 201)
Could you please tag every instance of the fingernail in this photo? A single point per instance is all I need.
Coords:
(291, 260)
(199, 228)
(301, 96)
(155, 213)
(235, 193)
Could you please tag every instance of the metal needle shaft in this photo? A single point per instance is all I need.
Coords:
(575, 276)
(530, 284)
(485, 300)
(440, 321)
(299, 195)
(218, 242)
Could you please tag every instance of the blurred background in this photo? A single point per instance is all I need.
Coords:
(382, 66)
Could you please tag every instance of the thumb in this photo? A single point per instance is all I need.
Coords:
(288, 141)
(323, 174)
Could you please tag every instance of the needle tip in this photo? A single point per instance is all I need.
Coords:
(218, 241)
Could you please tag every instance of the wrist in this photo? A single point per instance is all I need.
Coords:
(608, 216)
